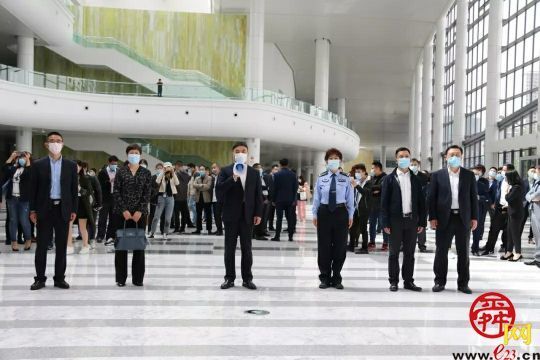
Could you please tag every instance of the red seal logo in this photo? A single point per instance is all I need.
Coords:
(489, 312)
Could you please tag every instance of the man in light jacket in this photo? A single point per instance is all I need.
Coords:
(202, 186)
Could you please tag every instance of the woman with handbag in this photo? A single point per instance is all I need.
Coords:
(167, 182)
(85, 214)
(302, 198)
(132, 186)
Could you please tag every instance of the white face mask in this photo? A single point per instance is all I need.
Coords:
(240, 158)
(55, 148)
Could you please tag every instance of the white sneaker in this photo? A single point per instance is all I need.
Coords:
(164, 236)
(70, 250)
(92, 244)
(109, 242)
(84, 250)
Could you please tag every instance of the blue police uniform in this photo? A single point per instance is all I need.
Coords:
(333, 207)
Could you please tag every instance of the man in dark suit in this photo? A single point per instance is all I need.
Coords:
(453, 212)
(482, 187)
(269, 180)
(403, 209)
(238, 188)
(53, 204)
(285, 192)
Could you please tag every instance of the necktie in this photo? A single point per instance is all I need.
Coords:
(332, 195)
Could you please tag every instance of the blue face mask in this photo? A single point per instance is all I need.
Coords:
(134, 159)
(202, 173)
(404, 163)
(113, 167)
(454, 162)
(333, 165)
(413, 168)
(22, 162)
(499, 177)
(358, 176)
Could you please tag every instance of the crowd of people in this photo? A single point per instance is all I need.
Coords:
(244, 202)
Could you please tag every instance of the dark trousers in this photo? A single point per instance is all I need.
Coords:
(332, 231)
(375, 217)
(289, 210)
(524, 218)
(45, 225)
(359, 227)
(121, 256)
(106, 222)
(260, 230)
(217, 208)
(207, 208)
(181, 210)
(514, 234)
(479, 231)
(402, 232)
(271, 215)
(443, 240)
(233, 230)
(499, 223)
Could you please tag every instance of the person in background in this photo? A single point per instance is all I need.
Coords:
(360, 183)
(216, 205)
(514, 199)
(97, 200)
(16, 174)
(423, 178)
(192, 202)
(533, 197)
(131, 199)
(106, 181)
(53, 204)
(375, 218)
(259, 231)
(271, 208)
(302, 198)
(84, 212)
(528, 183)
(482, 187)
(167, 182)
(181, 200)
(154, 192)
(159, 88)
(493, 186)
(285, 192)
(202, 186)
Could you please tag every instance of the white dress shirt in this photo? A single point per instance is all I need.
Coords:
(454, 187)
(243, 177)
(505, 188)
(404, 179)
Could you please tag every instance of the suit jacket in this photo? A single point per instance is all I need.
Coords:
(482, 187)
(269, 180)
(285, 186)
(440, 199)
(493, 188)
(391, 201)
(182, 188)
(239, 203)
(105, 184)
(204, 186)
(376, 185)
(515, 201)
(40, 187)
(363, 204)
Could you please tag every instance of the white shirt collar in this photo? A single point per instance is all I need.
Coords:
(401, 172)
(451, 173)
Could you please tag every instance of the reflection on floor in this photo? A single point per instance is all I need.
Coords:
(182, 314)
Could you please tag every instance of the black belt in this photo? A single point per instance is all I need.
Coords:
(342, 205)
(454, 211)
(407, 216)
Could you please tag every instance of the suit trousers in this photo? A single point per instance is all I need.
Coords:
(332, 231)
(403, 232)
(289, 209)
(514, 234)
(499, 223)
(443, 240)
(207, 209)
(359, 227)
(106, 216)
(271, 215)
(217, 209)
(121, 256)
(479, 231)
(233, 230)
(46, 223)
(260, 230)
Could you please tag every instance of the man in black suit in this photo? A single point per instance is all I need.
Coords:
(53, 204)
(403, 209)
(453, 212)
(285, 192)
(482, 187)
(239, 189)
(269, 180)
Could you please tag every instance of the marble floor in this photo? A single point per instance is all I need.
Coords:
(181, 313)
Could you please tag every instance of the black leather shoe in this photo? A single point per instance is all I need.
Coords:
(509, 257)
(438, 288)
(464, 289)
(195, 233)
(275, 239)
(423, 249)
(219, 233)
(338, 286)
(502, 249)
(393, 287)
(475, 253)
(412, 287)
(486, 253)
(227, 285)
(37, 285)
(249, 285)
(291, 239)
(138, 283)
(61, 284)
(260, 238)
(120, 284)
(324, 285)
(532, 262)
(272, 229)
(266, 233)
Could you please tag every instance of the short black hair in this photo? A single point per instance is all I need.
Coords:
(510, 167)
(256, 164)
(178, 162)
(134, 147)
(480, 167)
(453, 147)
(202, 166)
(191, 165)
(355, 167)
(284, 162)
(416, 160)
(113, 158)
(333, 151)
(403, 148)
(513, 178)
(275, 166)
(54, 133)
(377, 163)
(238, 144)
(493, 168)
(143, 161)
(159, 164)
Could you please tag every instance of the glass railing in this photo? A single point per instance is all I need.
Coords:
(188, 91)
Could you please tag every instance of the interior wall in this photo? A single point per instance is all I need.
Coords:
(278, 75)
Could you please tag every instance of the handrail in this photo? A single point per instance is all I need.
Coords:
(188, 91)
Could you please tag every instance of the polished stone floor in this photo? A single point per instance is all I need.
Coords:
(181, 313)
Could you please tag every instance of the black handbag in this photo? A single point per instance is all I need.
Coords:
(130, 238)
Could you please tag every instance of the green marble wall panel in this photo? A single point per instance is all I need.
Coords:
(211, 151)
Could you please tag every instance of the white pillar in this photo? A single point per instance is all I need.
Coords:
(438, 92)
(299, 165)
(493, 82)
(322, 72)
(412, 107)
(427, 103)
(417, 144)
(383, 156)
(319, 165)
(458, 129)
(25, 61)
(254, 152)
(24, 139)
(341, 107)
(309, 175)
(255, 63)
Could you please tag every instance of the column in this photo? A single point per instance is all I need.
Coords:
(319, 165)
(322, 72)
(458, 129)
(341, 107)
(299, 164)
(383, 156)
(412, 106)
(438, 92)
(309, 175)
(25, 61)
(427, 102)
(255, 63)
(417, 144)
(254, 152)
(493, 82)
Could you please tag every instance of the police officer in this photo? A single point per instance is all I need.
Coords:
(333, 211)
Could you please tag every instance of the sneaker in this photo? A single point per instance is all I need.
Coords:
(165, 237)
(84, 250)
(92, 244)
(109, 242)
(70, 250)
